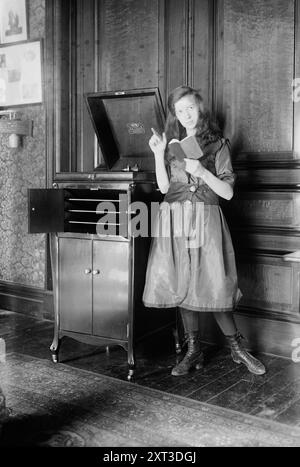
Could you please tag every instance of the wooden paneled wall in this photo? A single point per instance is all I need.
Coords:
(255, 71)
(257, 59)
(101, 45)
(244, 57)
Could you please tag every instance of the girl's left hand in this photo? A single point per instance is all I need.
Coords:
(194, 167)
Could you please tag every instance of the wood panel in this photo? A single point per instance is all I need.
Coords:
(256, 75)
(86, 52)
(268, 283)
(189, 45)
(129, 49)
(266, 239)
(276, 209)
(202, 49)
(272, 175)
(113, 47)
(57, 86)
(108, 45)
(177, 37)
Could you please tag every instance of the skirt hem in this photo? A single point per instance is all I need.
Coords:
(191, 308)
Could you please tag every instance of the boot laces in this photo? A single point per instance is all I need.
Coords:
(239, 336)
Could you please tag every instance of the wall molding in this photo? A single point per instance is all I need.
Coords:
(270, 159)
(284, 175)
(260, 313)
(31, 301)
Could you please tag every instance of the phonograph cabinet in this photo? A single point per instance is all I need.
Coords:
(98, 259)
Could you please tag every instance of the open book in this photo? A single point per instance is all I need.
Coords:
(187, 147)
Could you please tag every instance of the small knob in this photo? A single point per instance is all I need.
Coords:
(96, 271)
(135, 168)
(87, 271)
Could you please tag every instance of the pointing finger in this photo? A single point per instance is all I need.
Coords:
(155, 132)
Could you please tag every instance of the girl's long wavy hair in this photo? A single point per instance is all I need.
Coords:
(207, 128)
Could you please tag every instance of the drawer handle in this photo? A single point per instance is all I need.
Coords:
(87, 271)
(96, 271)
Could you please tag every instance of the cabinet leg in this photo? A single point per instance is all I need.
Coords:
(178, 348)
(178, 334)
(130, 373)
(54, 349)
(131, 363)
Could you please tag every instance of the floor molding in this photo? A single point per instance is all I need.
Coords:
(27, 300)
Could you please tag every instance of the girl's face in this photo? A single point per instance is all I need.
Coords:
(187, 111)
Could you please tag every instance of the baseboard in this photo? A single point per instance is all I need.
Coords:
(31, 301)
(271, 336)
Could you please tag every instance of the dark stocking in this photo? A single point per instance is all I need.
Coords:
(194, 356)
(226, 322)
(190, 320)
(238, 353)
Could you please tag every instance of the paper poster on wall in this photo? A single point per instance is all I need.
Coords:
(20, 74)
(13, 21)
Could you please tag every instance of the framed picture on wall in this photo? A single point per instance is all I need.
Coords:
(21, 73)
(13, 19)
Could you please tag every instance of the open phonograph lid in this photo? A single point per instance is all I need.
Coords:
(122, 121)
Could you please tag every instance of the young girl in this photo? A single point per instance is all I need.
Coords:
(193, 267)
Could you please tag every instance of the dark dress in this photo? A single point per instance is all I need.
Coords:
(193, 267)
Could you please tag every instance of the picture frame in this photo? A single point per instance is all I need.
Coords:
(13, 21)
(21, 73)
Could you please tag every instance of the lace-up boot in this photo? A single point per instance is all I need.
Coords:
(240, 355)
(192, 359)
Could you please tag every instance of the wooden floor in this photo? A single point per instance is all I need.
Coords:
(221, 382)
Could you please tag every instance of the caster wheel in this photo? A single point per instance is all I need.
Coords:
(130, 375)
(55, 358)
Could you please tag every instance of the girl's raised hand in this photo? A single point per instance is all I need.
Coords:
(157, 142)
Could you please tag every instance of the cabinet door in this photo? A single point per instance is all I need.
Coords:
(110, 289)
(45, 210)
(75, 285)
